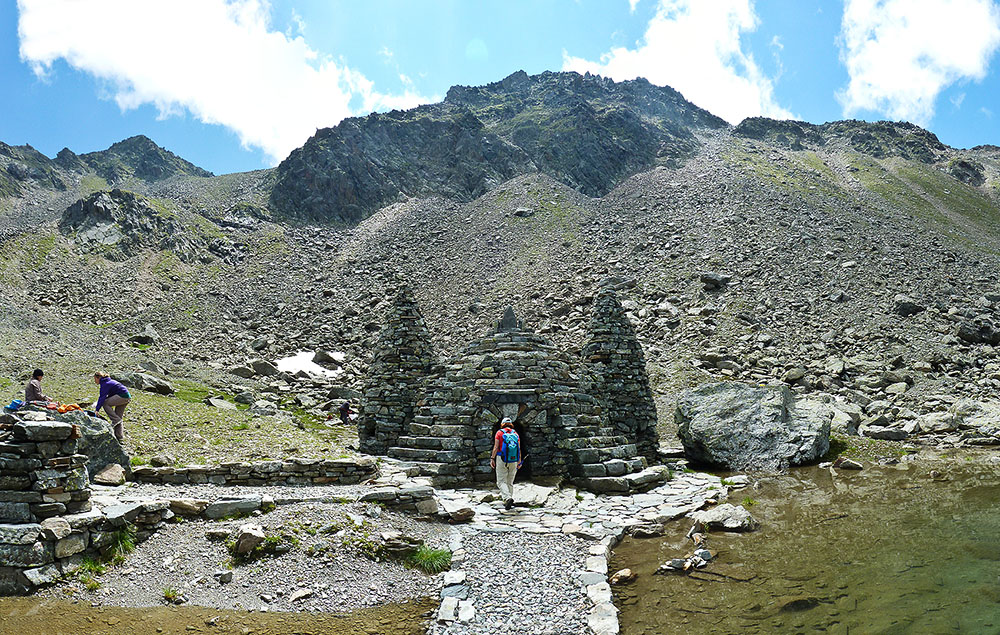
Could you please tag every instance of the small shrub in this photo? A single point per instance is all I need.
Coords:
(89, 582)
(241, 426)
(726, 482)
(273, 545)
(430, 560)
(90, 566)
(171, 595)
(365, 545)
(122, 544)
(749, 502)
(136, 461)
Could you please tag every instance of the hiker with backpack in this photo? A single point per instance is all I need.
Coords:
(506, 448)
(114, 397)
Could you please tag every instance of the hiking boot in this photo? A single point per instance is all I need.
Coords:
(509, 503)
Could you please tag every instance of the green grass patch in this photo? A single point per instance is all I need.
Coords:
(92, 183)
(92, 566)
(957, 197)
(430, 560)
(122, 544)
(171, 595)
(857, 447)
(90, 582)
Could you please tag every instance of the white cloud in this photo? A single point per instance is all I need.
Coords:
(632, 5)
(220, 61)
(694, 47)
(900, 54)
(957, 100)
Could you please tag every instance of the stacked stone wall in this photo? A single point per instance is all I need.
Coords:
(47, 523)
(293, 471)
(41, 474)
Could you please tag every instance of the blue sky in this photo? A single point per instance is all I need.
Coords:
(234, 85)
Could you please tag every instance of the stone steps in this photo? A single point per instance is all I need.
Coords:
(429, 443)
(426, 455)
(595, 441)
(434, 430)
(570, 432)
(611, 467)
(635, 482)
(599, 455)
(432, 468)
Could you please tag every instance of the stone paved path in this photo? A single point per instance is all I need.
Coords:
(566, 537)
(561, 541)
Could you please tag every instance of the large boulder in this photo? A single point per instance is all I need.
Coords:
(742, 427)
(980, 331)
(98, 442)
(148, 383)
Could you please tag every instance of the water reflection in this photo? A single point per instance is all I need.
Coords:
(911, 548)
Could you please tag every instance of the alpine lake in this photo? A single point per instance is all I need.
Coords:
(910, 547)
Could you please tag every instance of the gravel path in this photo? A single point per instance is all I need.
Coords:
(524, 583)
(280, 493)
(329, 576)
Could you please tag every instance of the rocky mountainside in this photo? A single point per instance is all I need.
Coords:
(136, 157)
(21, 166)
(120, 224)
(584, 131)
(854, 261)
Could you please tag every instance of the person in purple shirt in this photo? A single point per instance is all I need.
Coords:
(114, 397)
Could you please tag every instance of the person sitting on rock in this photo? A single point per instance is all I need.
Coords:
(33, 391)
(114, 397)
(506, 447)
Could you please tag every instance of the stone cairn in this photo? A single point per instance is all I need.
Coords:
(512, 372)
(614, 358)
(403, 358)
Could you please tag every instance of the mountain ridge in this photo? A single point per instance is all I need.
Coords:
(859, 257)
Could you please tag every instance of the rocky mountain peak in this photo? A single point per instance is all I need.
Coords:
(881, 139)
(141, 158)
(585, 131)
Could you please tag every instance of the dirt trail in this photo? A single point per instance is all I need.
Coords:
(34, 616)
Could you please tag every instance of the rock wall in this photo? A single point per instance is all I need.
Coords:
(294, 471)
(614, 359)
(403, 358)
(42, 474)
(47, 523)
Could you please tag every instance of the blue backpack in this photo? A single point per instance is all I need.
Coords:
(14, 405)
(510, 449)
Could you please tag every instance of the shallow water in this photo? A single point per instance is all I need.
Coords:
(891, 549)
(35, 616)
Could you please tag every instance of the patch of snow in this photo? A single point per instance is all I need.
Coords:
(303, 361)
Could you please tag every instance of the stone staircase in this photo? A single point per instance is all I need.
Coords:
(607, 462)
(439, 451)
